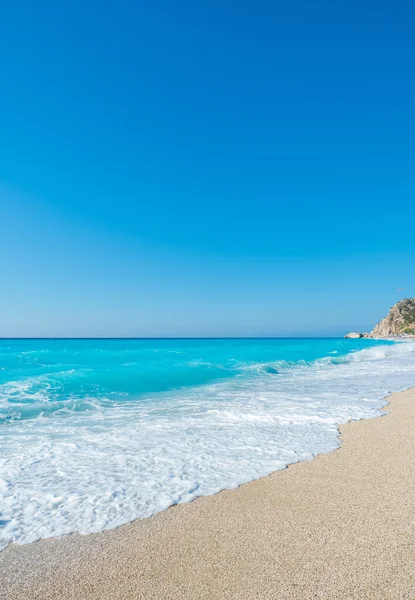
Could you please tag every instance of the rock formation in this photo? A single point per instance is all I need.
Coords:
(400, 320)
(354, 335)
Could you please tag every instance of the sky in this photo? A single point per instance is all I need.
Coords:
(205, 168)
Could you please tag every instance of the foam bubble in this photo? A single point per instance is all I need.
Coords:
(114, 462)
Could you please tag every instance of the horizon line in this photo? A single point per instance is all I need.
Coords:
(180, 338)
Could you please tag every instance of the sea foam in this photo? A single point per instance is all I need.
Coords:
(88, 470)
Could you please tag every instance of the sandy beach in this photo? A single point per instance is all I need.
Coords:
(339, 526)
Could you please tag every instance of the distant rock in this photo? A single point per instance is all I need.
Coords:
(399, 321)
(354, 335)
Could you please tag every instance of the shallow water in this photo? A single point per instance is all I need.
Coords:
(97, 433)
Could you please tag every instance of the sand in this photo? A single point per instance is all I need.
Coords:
(340, 526)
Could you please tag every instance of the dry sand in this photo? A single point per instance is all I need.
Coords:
(339, 526)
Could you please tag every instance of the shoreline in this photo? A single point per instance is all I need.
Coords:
(68, 474)
(330, 527)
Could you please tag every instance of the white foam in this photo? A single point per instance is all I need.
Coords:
(107, 466)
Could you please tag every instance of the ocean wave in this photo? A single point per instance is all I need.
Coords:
(117, 461)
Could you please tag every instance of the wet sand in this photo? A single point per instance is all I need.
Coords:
(339, 526)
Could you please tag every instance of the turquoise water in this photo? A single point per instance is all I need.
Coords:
(44, 376)
(97, 433)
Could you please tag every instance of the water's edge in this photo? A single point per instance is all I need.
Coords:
(249, 428)
(383, 412)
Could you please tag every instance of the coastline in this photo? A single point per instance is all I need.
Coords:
(338, 526)
(96, 464)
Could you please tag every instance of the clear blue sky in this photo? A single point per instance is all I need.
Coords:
(205, 168)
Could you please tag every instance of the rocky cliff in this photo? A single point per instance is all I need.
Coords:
(401, 319)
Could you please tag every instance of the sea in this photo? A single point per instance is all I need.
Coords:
(95, 433)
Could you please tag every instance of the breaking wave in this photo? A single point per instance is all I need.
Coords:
(77, 456)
